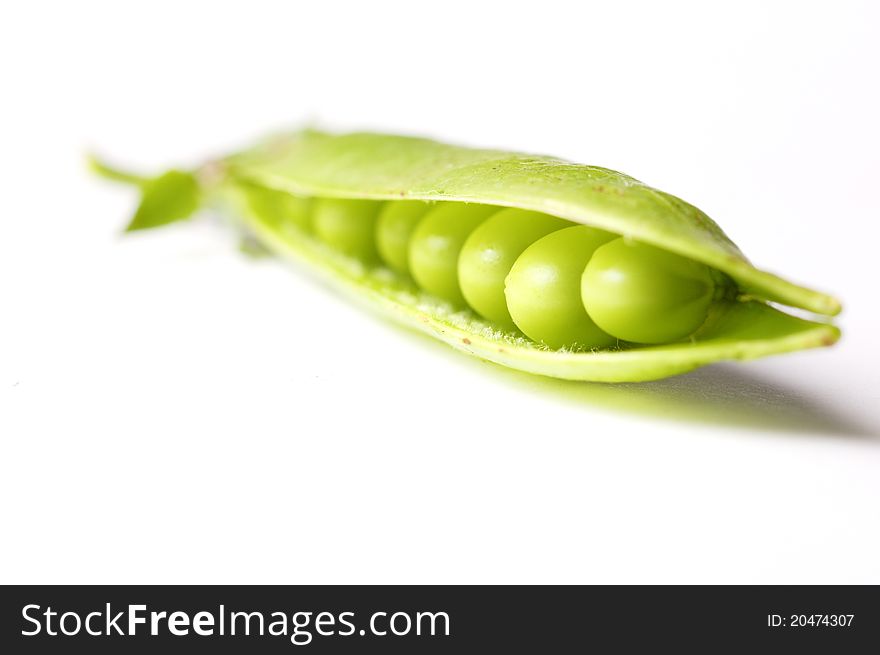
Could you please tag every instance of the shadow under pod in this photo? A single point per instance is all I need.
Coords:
(719, 394)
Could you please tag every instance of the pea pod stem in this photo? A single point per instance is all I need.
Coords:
(110, 172)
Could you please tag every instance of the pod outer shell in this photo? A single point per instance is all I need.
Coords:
(387, 167)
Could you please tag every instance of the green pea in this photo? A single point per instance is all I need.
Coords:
(397, 220)
(436, 244)
(279, 208)
(543, 289)
(348, 226)
(489, 253)
(644, 294)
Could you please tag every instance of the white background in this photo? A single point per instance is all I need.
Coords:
(171, 411)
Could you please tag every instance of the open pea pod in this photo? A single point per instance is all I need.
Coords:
(314, 165)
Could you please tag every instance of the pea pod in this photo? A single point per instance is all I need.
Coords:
(726, 310)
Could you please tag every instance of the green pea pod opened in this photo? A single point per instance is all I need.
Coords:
(535, 263)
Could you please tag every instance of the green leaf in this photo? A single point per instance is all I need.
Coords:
(173, 196)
